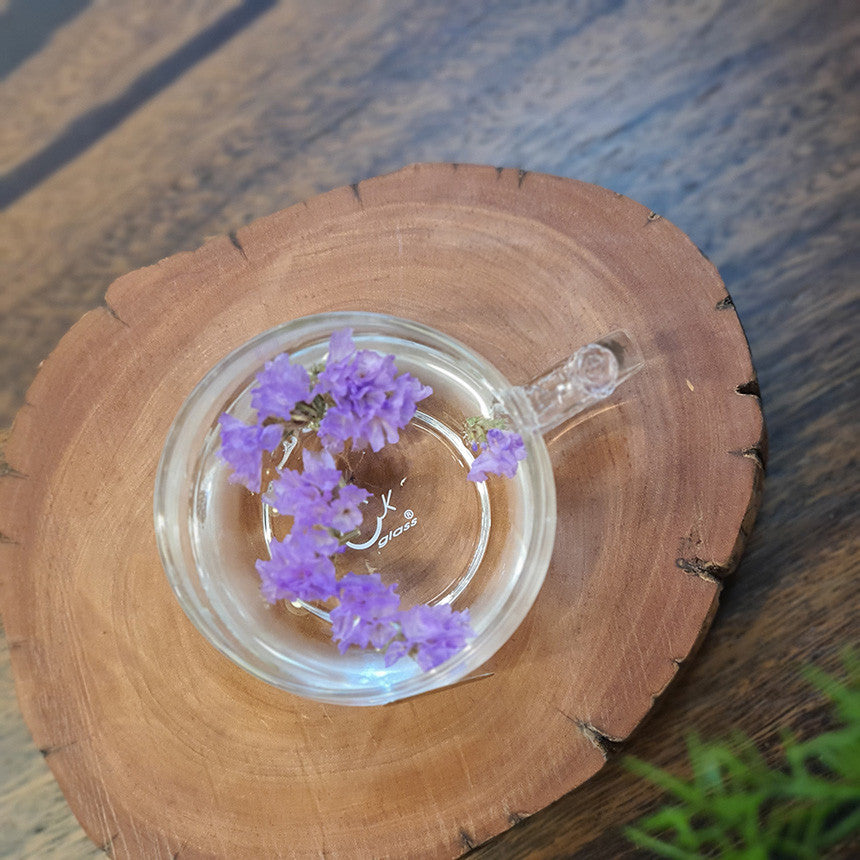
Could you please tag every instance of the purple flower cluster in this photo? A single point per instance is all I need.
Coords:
(499, 455)
(281, 386)
(369, 614)
(323, 508)
(356, 397)
(243, 446)
(430, 635)
(300, 567)
(371, 403)
(318, 495)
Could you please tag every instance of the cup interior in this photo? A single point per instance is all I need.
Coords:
(440, 537)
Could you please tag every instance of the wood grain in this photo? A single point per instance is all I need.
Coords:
(738, 122)
(521, 266)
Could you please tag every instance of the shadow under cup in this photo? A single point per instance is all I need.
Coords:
(483, 547)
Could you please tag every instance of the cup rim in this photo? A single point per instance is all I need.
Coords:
(171, 529)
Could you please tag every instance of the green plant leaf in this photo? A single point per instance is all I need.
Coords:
(735, 806)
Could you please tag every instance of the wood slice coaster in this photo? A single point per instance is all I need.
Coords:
(163, 746)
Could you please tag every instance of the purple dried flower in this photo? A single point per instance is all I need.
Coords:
(499, 455)
(298, 495)
(340, 345)
(315, 497)
(430, 634)
(357, 396)
(320, 471)
(293, 496)
(371, 402)
(367, 612)
(280, 386)
(399, 408)
(396, 649)
(300, 567)
(242, 447)
(343, 513)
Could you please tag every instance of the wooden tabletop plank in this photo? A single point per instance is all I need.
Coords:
(292, 123)
(738, 122)
(94, 57)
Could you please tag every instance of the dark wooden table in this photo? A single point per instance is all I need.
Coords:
(132, 131)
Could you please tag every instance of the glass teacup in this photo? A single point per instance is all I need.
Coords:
(480, 546)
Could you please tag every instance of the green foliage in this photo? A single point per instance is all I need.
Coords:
(736, 806)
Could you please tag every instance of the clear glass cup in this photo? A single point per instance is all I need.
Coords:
(442, 538)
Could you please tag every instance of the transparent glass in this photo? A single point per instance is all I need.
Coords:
(442, 538)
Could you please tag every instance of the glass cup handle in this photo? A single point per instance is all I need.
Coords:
(577, 382)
